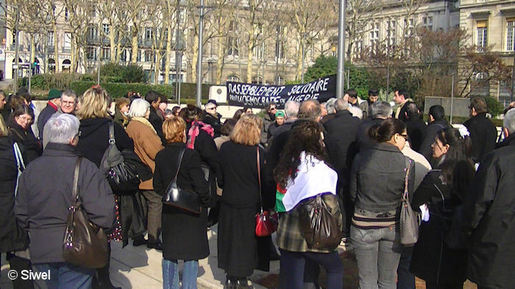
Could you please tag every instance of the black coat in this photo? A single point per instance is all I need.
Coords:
(43, 117)
(491, 216)
(483, 135)
(94, 138)
(206, 147)
(238, 249)
(433, 260)
(364, 141)
(214, 122)
(157, 122)
(28, 143)
(341, 144)
(12, 236)
(184, 234)
(45, 194)
(429, 137)
(416, 129)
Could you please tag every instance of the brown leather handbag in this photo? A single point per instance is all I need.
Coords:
(85, 244)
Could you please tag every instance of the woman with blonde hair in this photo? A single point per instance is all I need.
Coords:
(237, 242)
(94, 140)
(147, 144)
(184, 234)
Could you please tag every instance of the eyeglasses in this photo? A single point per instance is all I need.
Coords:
(68, 102)
(404, 135)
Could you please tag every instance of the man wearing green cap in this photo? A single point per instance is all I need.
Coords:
(54, 102)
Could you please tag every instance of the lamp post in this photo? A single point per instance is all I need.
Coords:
(179, 47)
(199, 59)
(17, 49)
(340, 81)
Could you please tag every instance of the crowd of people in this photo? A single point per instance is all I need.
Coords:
(358, 157)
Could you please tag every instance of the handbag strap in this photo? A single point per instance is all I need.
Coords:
(112, 140)
(19, 164)
(259, 177)
(408, 164)
(181, 154)
(75, 189)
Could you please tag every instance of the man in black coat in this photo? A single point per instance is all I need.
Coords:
(482, 131)
(490, 216)
(54, 102)
(415, 126)
(379, 111)
(212, 117)
(437, 122)
(155, 118)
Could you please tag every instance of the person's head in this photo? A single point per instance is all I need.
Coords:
(477, 106)
(412, 111)
(381, 109)
(509, 122)
(352, 96)
(154, 98)
(291, 109)
(271, 109)
(400, 96)
(23, 115)
(306, 136)
(122, 104)
(392, 131)
(175, 110)
(191, 113)
(373, 95)
(94, 103)
(247, 130)
(174, 129)
(238, 113)
(3, 99)
(54, 96)
(68, 101)
(62, 128)
(310, 109)
(139, 108)
(24, 93)
(211, 108)
(168, 113)
(436, 113)
(279, 117)
(247, 110)
(163, 104)
(450, 143)
(323, 110)
(329, 105)
(341, 104)
(228, 126)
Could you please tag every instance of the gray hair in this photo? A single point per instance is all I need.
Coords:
(291, 109)
(139, 108)
(329, 105)
(509, 120)
(69, 93)
(61, 128)
(380, 109)
(310, 109)
(341, 104)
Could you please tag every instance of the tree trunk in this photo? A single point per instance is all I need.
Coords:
(56, 47)
(194, 60)
(300, 56)
(32, 49)
(119, 49)
(168, 54)
(112, 45)
(249, 59)
(73, 56)
(157, 65)
(134, 54)
(220, 60)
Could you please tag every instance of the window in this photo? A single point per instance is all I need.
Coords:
(482, 29)
(106, 53)
(510, 35)
(409, 27)
(148, 34)
(105, 27)
(66, 14)
(391, 32)
(123, 55)
(92, 33)
(374, 35)
(50, 39)
(427, 22)
(14, 36)
(67, 40)
(148, 55)
(259, 51)
(358, 47)
(91, 53)
(232, 40)
(279, 43)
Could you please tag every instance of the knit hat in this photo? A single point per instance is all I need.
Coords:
(54, 93)
(212, 101)
(279, 113)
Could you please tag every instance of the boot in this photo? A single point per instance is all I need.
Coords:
(138, 241)
(154, 243)
(244, 284)
(101, 280)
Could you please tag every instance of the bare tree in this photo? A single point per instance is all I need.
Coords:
(360, 16)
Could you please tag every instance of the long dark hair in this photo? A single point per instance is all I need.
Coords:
(457, 167)
(386, 130)
(305, 136)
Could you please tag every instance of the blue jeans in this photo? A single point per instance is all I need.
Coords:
(64, 276)
(171, 274)
(377, 252)
(291, 274)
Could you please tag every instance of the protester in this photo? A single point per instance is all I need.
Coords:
(490, 216)
(415, 126)
(155, 118)
(93, 142)
(212, 117)
(146, 145)
(226, 131)
(278, 122)
(376, 186)
(442, 192)
(68, 103)
(239, 250)
(373, 96)
(20, 131)
(437, 122)
(247, 110)
(401, 98)
(238, 113)
(27, 98)
(184, 234)
(355, 101)
(44, 196)
(268, 120)
(331, 110)
(482, 131)
(175, 110)
(378, 112)
(121, 111)
(304, 173)
(53, 104)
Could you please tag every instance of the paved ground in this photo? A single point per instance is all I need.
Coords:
(140, 268)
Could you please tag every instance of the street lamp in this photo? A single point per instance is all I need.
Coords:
(340, 81)
(199, 59)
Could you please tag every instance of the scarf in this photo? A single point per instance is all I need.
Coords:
(194, 131)
(144, 121)
(314, 177)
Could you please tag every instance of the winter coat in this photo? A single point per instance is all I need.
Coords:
(416, 129)
(491, 217)
(483, 135)
(94, 138)
(239, 250)
(157, 122)
(28, 143)
(363, 140)
(429, 138)
(12, 236)
(214, 122)
(268, 122)
(44, 116)
(146, 145)
(184, 234)
(433, 260)
(45, 194)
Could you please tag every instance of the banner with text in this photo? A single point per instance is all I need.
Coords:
(258, 96)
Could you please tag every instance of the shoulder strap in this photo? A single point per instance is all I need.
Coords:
(111, 133)
(75, 189)
(19, 163)
(259, 177)
(408, 163)
(181, 154)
